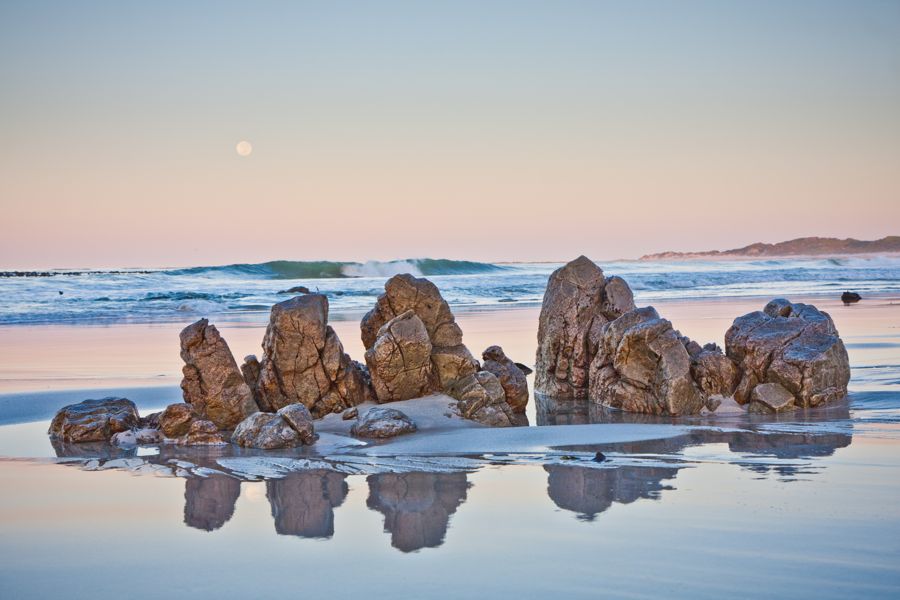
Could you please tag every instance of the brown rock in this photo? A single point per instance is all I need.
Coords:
(794, 345)
(512, 379)
(481, 398)
(399, 360)
(94, 420)
(576, 306)
(212, 383)
(715, 373)
(304, 361)
(770, 398)
(290, 427)
(380, 422)
(202, 433)
(176, 419)
(250, 371)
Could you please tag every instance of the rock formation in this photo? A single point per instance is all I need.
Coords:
(450, 359)
(511, 377)
(304, 361)
(291, 426)
(176, 419)
(481, 398)
(399, 360)
(202, 433)
(94, 420)
(793, 345)
(578, 301)
(382, 422)
(212, 383)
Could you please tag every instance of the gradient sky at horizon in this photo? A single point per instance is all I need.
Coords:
(476, 130)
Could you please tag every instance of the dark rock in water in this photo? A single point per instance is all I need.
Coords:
(511, 377)
(599, 457)
(300, 289)
(850, 297)
(212, 382)
(94, 420)
(794, 345)
(578, 301)
(382, 423)
(304, 361)
(524, 368)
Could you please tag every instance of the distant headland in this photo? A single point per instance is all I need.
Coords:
(806, 246)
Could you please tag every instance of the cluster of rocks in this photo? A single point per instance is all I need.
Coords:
(413, 348)
(593, 342)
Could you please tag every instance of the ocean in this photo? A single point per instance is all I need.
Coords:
(246, 292)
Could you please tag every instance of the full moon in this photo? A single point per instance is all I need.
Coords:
(244, 148)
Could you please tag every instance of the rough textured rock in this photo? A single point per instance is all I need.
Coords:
(794, 345)
(212, 383)
(202, 433)
(290, 427)
(94, 420)
(451, 360)
(770, 398)
(715, 373)
(304, 361)
(578, 301)
(250, 371)
(416, 506)
(350, 413)
(176, 419)
(399, 360)
(481, 398)
(511, 377)
(642, 365)
(382, 422)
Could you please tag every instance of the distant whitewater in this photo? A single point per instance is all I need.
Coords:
(247, 291)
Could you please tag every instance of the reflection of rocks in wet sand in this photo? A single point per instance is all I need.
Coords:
(416, 506)
(556, 411)
(209, 501)
(303, 503)
(590, 491)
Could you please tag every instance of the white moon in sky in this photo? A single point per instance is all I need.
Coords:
(244, 148)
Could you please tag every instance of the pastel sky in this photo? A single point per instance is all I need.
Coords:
(485, 130)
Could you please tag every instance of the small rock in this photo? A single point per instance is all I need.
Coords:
(94, 420)
(599, 457)
(202, 433)
(136, 437)
(299, 418)
(850, 297)
(511, 377)
(350, 413)
(770, 398)
(382, 422)
(524, 368)
(176, 419)
(267, 431)
(481, 398)
(299, 289)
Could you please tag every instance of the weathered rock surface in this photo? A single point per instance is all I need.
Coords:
(250, 371)
(380, 422)
(202, 433)
(136, 437)
(770, 398)
(94, 420)
(450, 359)
(176, 419)
(481, 398)
(290, 427)
(212, 383)
(794, 345)
(399, 360)
(715, 373)
(578, 301)
(642, 365)
(511, 377)
(304, 361)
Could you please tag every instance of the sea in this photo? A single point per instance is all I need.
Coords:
(246, 292)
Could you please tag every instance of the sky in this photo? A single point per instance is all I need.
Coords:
(486, 130)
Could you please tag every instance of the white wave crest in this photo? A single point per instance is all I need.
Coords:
(374, 268)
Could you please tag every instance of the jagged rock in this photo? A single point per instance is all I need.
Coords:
(642, 365)
(176, 419)
(770, 398)
(794, 345)
(481, 398)
(304, 361)
(151, 421)
(451, 360)
(212, 383)
(715, 373)
(578, 301)
(511, 377)
(250, 371)
(202, 433)
(380, 422)
(290, 427)
(524, 368)
(136, 437)
(400, 360)
(94, 420)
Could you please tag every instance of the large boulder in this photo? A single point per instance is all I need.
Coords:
(578, 301)
(94, 420)
(304, 361)
(399, 360)
(480, 397)
(794, 345)
(643, 366)
(715, 373)
(176, 419)
(380, 422)
(212, 382)
(290, 427)
(450, 359)
(511, 377)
